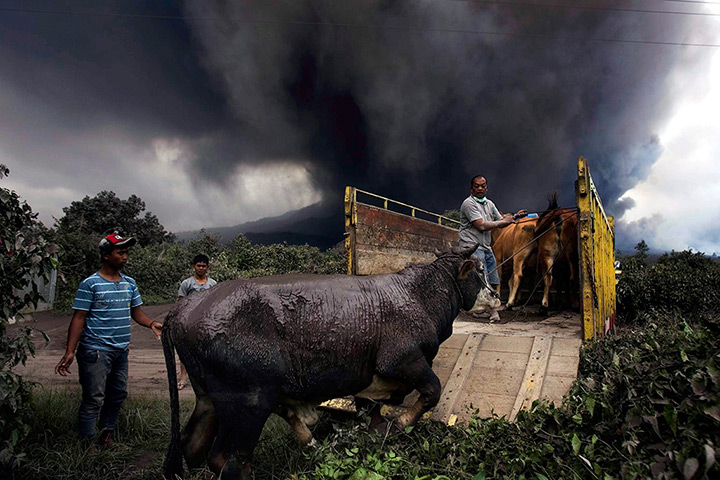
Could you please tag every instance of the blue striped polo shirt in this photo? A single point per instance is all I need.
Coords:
(108, 303)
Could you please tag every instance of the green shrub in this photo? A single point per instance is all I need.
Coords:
(685, 282)
(159, 268)
(25, 255)
(652, 398)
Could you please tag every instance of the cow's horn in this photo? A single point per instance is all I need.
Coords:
(467, 252)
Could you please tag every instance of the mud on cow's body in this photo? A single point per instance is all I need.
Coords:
(285, 344)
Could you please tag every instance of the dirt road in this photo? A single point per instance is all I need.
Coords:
(147, 374)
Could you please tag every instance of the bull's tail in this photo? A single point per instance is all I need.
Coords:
(173, 467)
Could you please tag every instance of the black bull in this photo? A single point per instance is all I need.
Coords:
(252, 348)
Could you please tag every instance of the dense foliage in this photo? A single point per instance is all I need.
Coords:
(686, 282)
(24, 256)
(159, 269)
(158, 263)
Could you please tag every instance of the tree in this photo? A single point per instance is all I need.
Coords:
(25, 255)
(105, 212)
(453, 214)
(85, 222)
(642, 250)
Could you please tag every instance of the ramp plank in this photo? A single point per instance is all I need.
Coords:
(534, 375)
(458, 377)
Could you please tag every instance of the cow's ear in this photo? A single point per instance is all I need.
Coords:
(465, 268)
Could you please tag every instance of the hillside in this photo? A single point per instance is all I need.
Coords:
(319, 225)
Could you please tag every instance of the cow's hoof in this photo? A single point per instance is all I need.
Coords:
(234, 470)
(377, 421)
(509, 307)
(543, 311)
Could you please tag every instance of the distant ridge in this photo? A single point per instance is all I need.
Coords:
(319, 225)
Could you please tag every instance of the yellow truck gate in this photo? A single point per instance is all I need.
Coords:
(596, 237)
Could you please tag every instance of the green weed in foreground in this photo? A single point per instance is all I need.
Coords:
(53, 450)
(646, 405)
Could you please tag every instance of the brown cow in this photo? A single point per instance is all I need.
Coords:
(558, 250)
(515, 239)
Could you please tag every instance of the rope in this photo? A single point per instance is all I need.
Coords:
(542, 279)
(535, 238)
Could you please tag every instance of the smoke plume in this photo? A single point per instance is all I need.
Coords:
(401, 98)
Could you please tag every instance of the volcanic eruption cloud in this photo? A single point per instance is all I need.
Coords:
(409, 99)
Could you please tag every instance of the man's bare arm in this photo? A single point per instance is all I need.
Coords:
(74, 331)
(141, 317)
(483, 225)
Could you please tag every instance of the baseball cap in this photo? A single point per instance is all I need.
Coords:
(115, 240)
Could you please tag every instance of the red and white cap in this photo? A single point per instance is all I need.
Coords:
(116, 240)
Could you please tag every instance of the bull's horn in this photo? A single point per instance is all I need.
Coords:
(467, 252)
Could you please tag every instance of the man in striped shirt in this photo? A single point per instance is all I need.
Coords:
(100, 331)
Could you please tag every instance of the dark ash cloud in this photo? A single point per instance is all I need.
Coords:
(412, 114)
(407, 113)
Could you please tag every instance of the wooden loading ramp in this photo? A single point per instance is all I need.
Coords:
(500, 368)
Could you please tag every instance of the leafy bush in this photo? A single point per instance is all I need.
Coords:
(159, 269)
(652, 397)
(24, 256)
(158, 263)
(683, 282)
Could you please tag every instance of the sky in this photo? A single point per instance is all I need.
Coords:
(217, 113)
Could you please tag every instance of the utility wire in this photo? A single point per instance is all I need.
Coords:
(580, 7)
(691, 1)
(361, 26)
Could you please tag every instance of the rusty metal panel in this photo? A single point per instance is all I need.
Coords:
(382, 241)
(597, 256)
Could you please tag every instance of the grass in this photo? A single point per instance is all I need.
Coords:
(345, 445)
(54, 451)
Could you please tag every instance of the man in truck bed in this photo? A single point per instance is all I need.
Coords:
(479, 215)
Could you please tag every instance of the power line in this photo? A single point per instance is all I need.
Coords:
(691, 1)
(362, 26)
(594, 9)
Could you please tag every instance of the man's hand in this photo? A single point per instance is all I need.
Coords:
(520, 214)
(63, 368)
(506, 220)
(156, 328)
